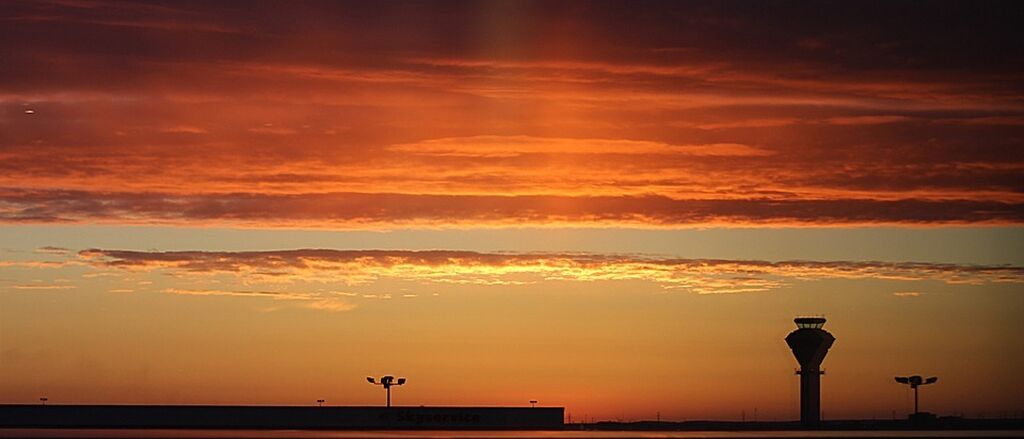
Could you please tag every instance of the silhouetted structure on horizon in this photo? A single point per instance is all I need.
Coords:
(914, 382)
(809, 344)
(279, 417)
(387, 381)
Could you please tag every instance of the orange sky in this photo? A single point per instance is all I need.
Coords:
(202, 198)
(161, 114)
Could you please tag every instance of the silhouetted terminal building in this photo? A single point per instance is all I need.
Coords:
(281, 417)
(810, 343)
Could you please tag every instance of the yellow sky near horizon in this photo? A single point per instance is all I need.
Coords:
(608, 336)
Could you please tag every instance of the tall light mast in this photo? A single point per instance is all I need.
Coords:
(914, 382)
(387, 381)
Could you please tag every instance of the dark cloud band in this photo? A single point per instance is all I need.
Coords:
(343, 210)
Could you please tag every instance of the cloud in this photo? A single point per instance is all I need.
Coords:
(316, 301)
(39, 264)
(330, 305)
(867, 120)
(907, 294)
(271, 129)
(704, 276)
(987, 120)
(742, 123)
(184, 129)
(354, 210)
(43, 287)
(266, 294)
(203, 114)
(52, 250)
(512, 146)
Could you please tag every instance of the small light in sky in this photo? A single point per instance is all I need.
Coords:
(30, 111)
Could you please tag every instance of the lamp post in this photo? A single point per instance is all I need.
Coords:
(43, 400)
(533, 403)
(914, 382)
(320, 402)
(387, 381)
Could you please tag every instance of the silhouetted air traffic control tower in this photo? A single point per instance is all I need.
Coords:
(810, 343)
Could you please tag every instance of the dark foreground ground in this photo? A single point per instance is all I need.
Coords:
(141, 421)
(279, 417)
(928, 424)
(498, 434)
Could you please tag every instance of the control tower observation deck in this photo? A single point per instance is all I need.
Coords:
(810, 344)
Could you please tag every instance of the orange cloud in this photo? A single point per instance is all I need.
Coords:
(512, 146)
(201, 116)
(747, 123)
(43, 287)
(317, 301)
(703, 276)
(867, 120)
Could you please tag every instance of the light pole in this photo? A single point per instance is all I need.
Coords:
(533, 403)
(387, 381)
(914, 382)
(43, 400)
(320, 402)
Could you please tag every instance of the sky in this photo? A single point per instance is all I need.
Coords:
(616, 207)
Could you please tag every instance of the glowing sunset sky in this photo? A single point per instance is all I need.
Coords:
(616, 207)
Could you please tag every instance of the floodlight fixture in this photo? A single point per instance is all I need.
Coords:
(387, 381)
(43, 400)
(320, 402)
(533, 403)
(914, 382)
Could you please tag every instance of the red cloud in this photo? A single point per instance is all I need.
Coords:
(200, 113)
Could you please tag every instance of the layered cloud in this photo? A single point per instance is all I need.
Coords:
(358, 267)
(356, 210)
(353, 115)
(342, 280)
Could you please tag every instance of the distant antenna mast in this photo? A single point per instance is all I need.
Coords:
(387, 381)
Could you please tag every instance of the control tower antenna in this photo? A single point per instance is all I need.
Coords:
(810, 344)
